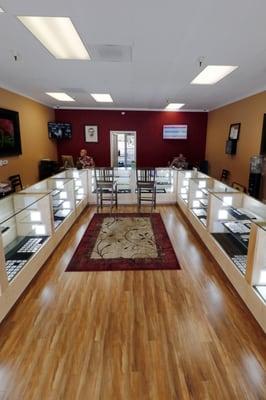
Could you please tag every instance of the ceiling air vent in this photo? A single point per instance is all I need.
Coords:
(110, 53)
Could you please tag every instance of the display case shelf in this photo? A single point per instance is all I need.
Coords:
(231, 217)
(63, 198)
(80, 179)
(26, 225)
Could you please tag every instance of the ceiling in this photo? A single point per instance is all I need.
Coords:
(166, 39)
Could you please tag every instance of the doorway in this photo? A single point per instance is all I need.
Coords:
(123, 148)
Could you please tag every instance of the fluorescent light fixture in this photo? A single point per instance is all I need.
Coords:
(58, 35)
(59, 185)
(39, 229)
(35, 216)
(199, 194)
(60, 96)
(213, 74)
(174, 106)
(227, 201)
(66, 204)
(63, 195)
(262, 278)
(102, 97)
(222, 214)
(202, 184)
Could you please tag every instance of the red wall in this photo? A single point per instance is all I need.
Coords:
(152, 150)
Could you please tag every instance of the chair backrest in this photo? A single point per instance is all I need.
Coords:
(225, 175)
(145, 175)
(15, 182)
(104, 174)
(68, 161)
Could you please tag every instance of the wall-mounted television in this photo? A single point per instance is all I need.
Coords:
(175, 132)
(59, 130)
(10, 144)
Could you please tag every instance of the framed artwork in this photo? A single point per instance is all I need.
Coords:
(10, 144)
(234, 131)
(91, 133)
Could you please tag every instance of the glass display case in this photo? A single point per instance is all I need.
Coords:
(256, 272)
(183, 178)
(123, 177)
(62, 198)
(198, 195)
(165, 180)
(61, 192)
(26, 224)
(230, 218)
(80, 177)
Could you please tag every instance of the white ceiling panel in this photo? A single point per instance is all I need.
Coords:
(161, 43)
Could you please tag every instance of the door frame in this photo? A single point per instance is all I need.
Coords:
(134, 133)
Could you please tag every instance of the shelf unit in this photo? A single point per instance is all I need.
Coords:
(80, 182)
(25, 243)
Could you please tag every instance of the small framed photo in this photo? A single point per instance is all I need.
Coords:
(91, 133)
(234, 131)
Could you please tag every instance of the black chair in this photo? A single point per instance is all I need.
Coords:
(106, 187)
(225, 176)
(146, 186)
(15, 182)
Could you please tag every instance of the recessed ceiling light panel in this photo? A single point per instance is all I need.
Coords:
(213, 74)
(58, 35)
(102, 97)
(174, 106)
(60, 96)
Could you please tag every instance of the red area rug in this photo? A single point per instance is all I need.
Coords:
(124, 242)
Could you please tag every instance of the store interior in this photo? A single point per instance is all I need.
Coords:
(80, 129)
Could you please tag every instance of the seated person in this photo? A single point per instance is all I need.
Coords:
(179, 162)
(85, 161)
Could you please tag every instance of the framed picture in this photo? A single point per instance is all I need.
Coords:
(91, 133)
(234, 131)
(10, 144)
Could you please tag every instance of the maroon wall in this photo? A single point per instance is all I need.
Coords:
(152, 150)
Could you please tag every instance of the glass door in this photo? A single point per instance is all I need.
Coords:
(123, 149)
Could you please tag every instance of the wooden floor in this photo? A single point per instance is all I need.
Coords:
(181, 334)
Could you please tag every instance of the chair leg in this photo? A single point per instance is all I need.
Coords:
(97, 199)
(101, 198)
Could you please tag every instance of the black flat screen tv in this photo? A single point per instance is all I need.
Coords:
(10, 144)
(59, 130)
